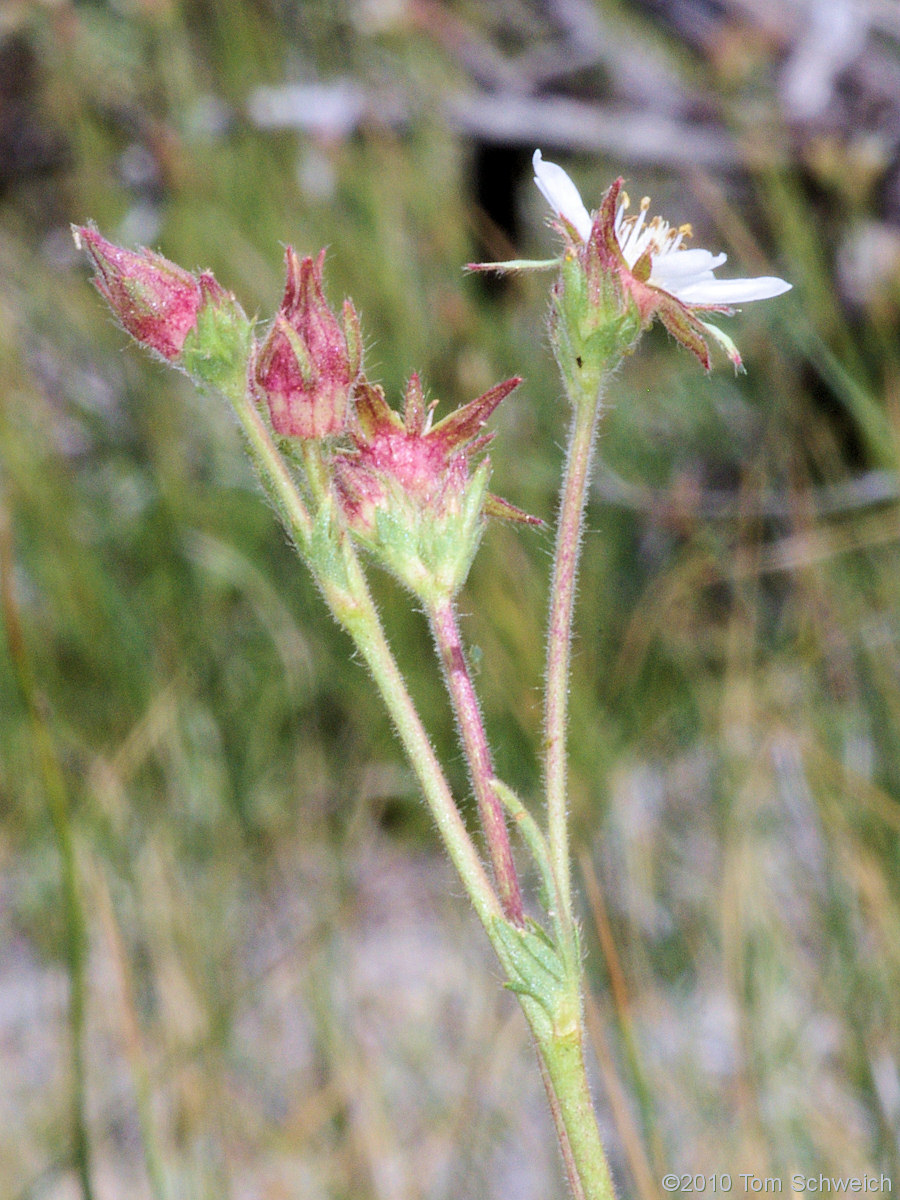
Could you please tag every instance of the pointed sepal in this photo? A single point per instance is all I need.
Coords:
(412, 492)
(502, 510)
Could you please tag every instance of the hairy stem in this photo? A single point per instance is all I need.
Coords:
(270, 466)
(445, 627)
(562, 1134)
(362, 622)
(563, 1070)
(559, 638)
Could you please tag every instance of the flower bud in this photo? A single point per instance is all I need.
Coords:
(408, 490)
(154, 300)
(309, 362)
(191, 320)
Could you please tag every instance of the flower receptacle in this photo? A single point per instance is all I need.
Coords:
(593, 324)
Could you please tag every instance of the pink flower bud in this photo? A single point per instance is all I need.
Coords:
(154, 300)
(308, 364)
(427, 464)
(411, 491)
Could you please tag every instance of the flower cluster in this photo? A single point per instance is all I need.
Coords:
(407, 488)
(410, 489)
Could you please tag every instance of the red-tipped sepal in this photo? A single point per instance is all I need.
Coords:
(412, 492)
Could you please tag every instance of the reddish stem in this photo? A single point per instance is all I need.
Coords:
(445, 628)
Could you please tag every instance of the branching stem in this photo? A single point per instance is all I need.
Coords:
(353, 607)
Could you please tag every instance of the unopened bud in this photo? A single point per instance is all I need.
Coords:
(308, 364)
(191, 320)
(155, 300)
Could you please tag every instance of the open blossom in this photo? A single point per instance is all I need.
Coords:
(649, 258)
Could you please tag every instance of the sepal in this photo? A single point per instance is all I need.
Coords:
(216, 351)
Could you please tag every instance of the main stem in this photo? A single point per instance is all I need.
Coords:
(561, 1058)
(559, 1046)
(445, 627)
(559, 637)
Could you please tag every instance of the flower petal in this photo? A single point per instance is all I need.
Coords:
(675, 287)
(561, 194)
(732, 291)
(685, 262)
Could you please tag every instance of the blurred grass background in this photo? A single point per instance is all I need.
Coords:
(232, 963)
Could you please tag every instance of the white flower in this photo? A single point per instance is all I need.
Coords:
(685, 274)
